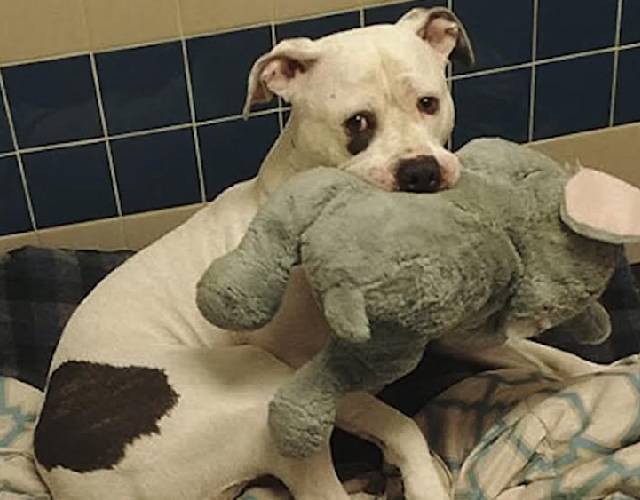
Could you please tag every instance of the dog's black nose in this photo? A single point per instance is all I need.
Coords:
(419, 175)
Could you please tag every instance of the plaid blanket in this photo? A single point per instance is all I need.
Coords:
(39, 289)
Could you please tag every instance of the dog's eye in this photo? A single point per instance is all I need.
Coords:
(360, 129)
(429, 105)
(358, 123)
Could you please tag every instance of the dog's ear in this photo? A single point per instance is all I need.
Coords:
(280, 71)
(441, 29)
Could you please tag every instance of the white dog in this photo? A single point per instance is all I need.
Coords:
(148, 401)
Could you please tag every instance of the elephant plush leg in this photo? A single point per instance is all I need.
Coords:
(302, 412)
(592, 326)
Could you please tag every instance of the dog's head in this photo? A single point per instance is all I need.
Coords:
(373, 101)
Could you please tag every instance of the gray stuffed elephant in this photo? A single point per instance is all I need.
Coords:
(510, 251)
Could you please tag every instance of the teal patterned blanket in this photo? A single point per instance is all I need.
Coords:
(510, 434)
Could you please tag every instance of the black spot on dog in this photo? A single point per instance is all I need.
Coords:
(92, 411)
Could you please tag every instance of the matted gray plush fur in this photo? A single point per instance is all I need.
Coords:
(480, 262)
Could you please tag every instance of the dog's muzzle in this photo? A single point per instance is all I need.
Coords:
(419, 175)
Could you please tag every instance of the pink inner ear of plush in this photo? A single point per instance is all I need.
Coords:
(603, 202)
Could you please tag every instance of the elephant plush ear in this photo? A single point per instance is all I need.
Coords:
(602, 207)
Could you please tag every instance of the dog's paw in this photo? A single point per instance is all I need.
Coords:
(429, 481)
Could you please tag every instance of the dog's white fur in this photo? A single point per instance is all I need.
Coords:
(216, 439)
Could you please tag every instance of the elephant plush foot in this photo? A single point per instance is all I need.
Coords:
(301, 420)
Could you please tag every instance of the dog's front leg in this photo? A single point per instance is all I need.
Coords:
(401, 440)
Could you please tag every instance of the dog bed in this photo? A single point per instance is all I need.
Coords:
(506, 426)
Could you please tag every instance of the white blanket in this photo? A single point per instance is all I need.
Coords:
(19, 407)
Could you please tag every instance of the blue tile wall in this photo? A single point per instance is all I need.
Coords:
(156, 171)
(232, 151)
(630, 32)
(501, 31)
(6, 144)
(53, 101)
(219, 68)
(143, 88)
(14, 215)
(493, 105)
(627, 106)
(70, 185)
(139, 121)
(575, 26)
(573, 95)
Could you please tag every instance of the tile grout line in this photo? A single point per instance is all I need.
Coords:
(105, 131)
(194, 124)
(231, 118)
(616, 57)
(532, 90)
(151, 131)
(192, 105)
(103, 124)
(61, 145)
(541, 62)
(628, 46)
(14, 140)
(575, 55)
(137, 133)
(491, 71)
(71, 55)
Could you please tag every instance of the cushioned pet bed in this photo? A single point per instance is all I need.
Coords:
(508, 424)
